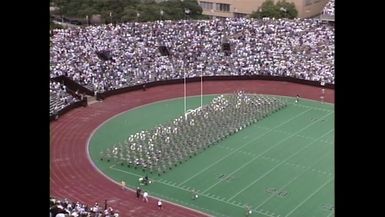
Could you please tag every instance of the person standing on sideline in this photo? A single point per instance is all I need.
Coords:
(248, 211)
(138, 192)
(297, 98)
(123, 185)
(194, 194)
(322, 95)
(159, 204)
(145, 195)
(146, 180)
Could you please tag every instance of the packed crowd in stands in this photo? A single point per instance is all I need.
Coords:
(59, 98)
(329, 8)
(299, 48)
(66, 208)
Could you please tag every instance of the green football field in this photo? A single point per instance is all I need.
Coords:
(280, 166)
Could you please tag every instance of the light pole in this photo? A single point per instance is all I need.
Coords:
(161, 14)
(284, 10)
(184, 88)
(61, 10)
(186, 12)
(307, 13)
(134, 24)
(181, 1)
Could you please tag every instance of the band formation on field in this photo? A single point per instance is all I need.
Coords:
(165, 146)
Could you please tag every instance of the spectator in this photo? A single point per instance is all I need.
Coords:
(67, 208)
(299, 48)
(329, 8)
(59, 98)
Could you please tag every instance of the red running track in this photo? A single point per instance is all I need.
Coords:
(73, 176)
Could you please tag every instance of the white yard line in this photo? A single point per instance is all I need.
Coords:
(241, 146)
(303, 172)
(311, 195)
(267, 151)
(282, 162)
(165, 182)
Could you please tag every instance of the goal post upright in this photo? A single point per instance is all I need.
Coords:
(201, 88)
(184, 87)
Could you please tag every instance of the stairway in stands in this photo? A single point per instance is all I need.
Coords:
(91, 100)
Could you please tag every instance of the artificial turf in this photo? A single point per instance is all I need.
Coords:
(280, 166)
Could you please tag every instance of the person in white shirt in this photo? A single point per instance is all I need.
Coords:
(145, 196)
(248, 211)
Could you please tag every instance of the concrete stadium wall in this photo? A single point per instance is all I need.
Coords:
(211, 78)
(68, 108)
(106, 94)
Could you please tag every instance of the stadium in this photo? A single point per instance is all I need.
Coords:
(220, 117)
